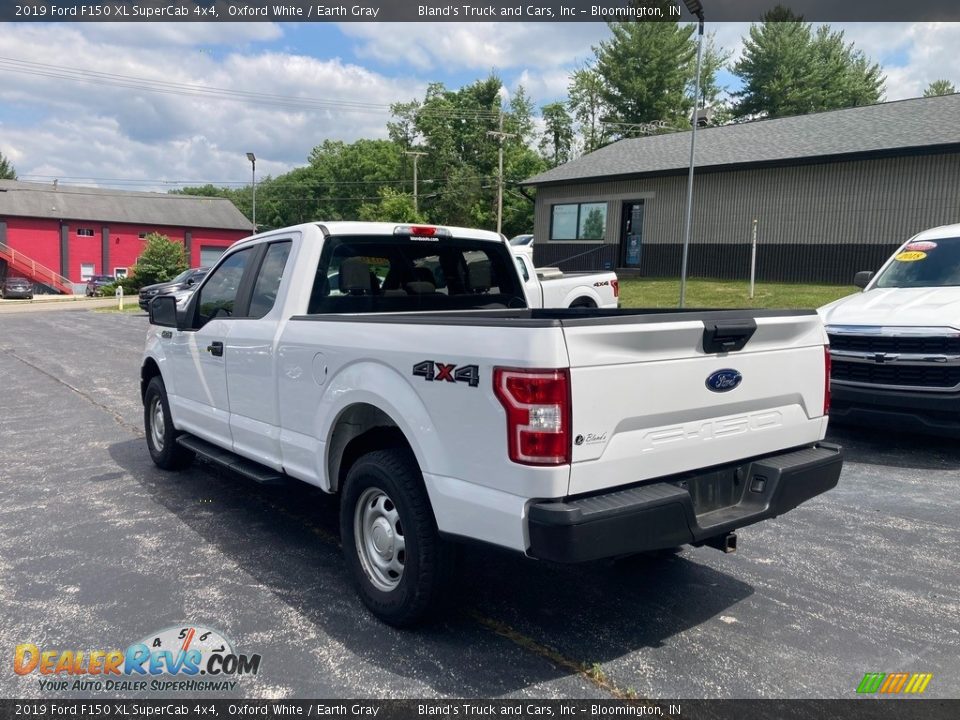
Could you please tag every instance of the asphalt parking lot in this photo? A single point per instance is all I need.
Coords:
(102, 549)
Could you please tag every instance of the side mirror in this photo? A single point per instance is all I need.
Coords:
(191, 281)
(163, 311)
(862, 278)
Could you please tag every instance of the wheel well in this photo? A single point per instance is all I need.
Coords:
(584, 302)
(360, 429)
(148, 371)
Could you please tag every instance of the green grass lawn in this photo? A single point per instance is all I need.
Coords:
(129, 306)
(656, 293)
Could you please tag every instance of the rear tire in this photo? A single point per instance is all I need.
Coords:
(583, 303)
(398, 561)
(161, 435)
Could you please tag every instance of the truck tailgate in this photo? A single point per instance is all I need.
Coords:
(642, 407)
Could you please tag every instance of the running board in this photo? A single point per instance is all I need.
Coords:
(231, 461)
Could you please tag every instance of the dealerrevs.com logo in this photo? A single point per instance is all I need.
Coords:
(179, 658)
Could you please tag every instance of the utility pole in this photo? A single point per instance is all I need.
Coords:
(501, 136)
(416, 156)
(253, 176)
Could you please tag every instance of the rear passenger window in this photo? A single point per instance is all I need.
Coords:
(373, 274)
(268, 279)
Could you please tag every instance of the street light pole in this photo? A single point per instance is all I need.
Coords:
(696, 9)
(253, 170)
(416, 156)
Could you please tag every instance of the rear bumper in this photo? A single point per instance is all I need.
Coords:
(690, 508)
(932, 412)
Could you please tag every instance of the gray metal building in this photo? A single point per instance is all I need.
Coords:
(833, 193)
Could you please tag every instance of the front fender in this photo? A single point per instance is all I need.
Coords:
(155, 351)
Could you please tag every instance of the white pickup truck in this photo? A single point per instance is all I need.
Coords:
(439, 407)
(551, 288)
(896, 345)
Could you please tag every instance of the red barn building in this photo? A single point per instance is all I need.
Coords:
(60, 236)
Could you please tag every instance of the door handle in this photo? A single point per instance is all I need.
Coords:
(215, 348)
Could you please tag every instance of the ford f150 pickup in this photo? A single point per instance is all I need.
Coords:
(400, 368)
(896, 345)
(551, 288)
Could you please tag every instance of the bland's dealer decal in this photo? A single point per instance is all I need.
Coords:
(184, 653)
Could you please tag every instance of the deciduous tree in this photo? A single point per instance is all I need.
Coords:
(162, 259)
(556, 144)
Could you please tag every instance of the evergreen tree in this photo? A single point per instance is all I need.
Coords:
(788, 68)
(645, 68)
(7, 171)
(939, 87)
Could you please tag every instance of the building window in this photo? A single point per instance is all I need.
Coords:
(142, 236)
(580, 221)
(119, 273)
(85, 232)
(86, 271)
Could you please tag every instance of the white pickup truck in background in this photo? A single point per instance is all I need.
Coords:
(896, 345)
(552, 288)
(400, 368)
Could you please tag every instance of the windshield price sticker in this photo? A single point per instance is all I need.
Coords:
(910, 256)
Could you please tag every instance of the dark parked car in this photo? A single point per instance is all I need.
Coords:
(98, 281)
(17, 287)
(186, 280)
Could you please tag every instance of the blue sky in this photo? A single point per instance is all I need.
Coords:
(114, 132)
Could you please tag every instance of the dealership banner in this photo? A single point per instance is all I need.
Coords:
(479, 11)
(45, 709)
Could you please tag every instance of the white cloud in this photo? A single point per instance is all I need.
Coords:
(50, 125)
(119, 129)
(476, 46)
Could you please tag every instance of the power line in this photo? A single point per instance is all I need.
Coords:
(191, 90)
(80, 182)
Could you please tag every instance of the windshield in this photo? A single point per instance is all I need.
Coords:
(924, 263)
(521, 240)
(182, 276)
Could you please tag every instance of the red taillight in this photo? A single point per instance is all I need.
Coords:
(826, 379)
(615, 284)
(538, 414)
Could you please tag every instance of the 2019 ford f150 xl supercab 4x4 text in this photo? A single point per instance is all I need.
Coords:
(896, 345)
(401, 368)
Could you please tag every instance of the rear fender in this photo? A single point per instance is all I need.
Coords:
(382, 387)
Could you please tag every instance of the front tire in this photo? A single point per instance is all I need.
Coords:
(161, 435)
(399, 563)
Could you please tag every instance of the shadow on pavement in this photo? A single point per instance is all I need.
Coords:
(877, 446)
(287, 537)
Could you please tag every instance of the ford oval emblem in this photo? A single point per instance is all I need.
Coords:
(723, 380)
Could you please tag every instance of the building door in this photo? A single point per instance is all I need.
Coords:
(631, 234)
